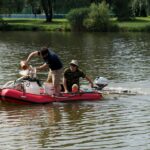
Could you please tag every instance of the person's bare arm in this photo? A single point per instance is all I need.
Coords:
(44, 66)
(65, 84)
(35, 53)
(90, 81)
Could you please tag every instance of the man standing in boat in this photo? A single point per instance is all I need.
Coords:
(72, 76)
(53, 62)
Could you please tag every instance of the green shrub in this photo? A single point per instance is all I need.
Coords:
(94, 18)
(76, 18)
(98, 18)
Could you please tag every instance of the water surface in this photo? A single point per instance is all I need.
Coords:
(118, 122)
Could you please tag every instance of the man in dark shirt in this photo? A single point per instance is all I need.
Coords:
(72, 76)
(53, 62)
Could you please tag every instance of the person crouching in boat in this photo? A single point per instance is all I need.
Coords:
(72, 76)
(53, 62)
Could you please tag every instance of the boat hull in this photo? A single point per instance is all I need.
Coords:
(15, 96)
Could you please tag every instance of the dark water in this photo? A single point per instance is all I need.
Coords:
(119, 122)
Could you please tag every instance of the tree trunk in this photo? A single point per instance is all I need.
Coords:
(48, 10)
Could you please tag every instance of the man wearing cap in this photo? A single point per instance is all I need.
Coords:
(72, 75)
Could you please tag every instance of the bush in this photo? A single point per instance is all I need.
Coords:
(94, 18)
(76, 18)
(98, 17)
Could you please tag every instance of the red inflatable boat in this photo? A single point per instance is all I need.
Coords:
(16, 96)
(30, 90)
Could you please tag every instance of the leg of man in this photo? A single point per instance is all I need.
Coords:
(49, 78)
(56, 80)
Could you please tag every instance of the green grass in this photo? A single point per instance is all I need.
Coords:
(139, 24)
(37, 24)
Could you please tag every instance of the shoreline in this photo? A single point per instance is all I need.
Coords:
(139, 24)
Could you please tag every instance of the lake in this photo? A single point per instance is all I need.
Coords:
(119, 121)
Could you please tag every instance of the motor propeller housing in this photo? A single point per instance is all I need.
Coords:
(100, 82)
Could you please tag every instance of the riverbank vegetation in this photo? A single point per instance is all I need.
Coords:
(139, 24)
(94, 18)
(81, 15)
(34, 25)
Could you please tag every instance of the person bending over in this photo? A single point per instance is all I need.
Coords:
(53, 62)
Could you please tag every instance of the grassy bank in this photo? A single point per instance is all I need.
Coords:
(36, 25)
(141, 24)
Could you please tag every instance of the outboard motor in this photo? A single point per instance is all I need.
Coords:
(100, 82)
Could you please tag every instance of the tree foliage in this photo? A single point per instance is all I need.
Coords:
(76, 18)
(122, 9)
(66, 5)
(35, 5)
(94, 18)
(48, 9)
(98, 17)
(45, 5)
(11, 6)
(141, 7)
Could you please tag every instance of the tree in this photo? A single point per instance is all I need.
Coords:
(122, 9)
(11, 6)
(48, 9)
(94, 1)
(35, 5)
(141, 7)
(46, 5)
(64, 6)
